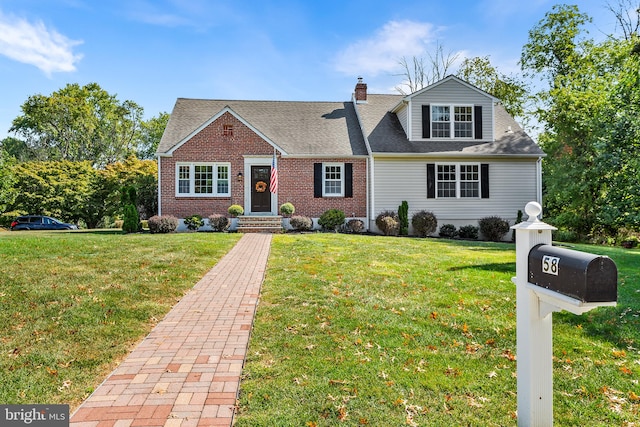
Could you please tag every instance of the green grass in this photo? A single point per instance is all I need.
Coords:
(361, 330)
(73, 304)
(350, 330)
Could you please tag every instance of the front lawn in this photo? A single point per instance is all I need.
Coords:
(72, 304)
(361, 330)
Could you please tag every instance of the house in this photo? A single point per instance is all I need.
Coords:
(449, 148)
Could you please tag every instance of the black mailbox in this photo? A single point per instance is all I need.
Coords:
(580, 275)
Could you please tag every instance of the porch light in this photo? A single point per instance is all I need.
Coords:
(240, 176)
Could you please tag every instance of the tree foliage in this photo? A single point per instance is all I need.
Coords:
(590, 110)
(510, 90)
(79, 123)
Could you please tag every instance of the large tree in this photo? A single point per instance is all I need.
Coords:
(511, 91)
(150, 134)
(590, 113)
(79, 123)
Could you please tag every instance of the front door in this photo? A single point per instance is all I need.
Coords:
(260, 194)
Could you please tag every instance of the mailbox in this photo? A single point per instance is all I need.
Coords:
(580, 275)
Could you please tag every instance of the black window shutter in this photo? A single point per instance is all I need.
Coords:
(348, 180)
(477, 118)
(484, 180)
(431, 180)
(426, 121)
(317, 180)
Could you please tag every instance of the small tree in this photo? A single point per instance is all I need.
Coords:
(131, 216)
(287, 209)
(403, 216)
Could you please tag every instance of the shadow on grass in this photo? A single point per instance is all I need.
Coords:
(504, 267)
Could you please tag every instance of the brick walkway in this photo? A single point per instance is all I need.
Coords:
(186, 372)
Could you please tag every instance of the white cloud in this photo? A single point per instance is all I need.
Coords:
(37, 45)
(381, 52)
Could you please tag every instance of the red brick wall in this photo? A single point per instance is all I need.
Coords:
(295, 175)
(296, 186)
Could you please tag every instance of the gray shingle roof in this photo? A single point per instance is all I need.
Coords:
(298, 128)
(386, 136)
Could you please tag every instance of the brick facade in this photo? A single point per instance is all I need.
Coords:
(296, 179)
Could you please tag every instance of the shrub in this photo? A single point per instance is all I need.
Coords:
(235, 210)
(301, 223)
(118, 223)
(331, 219)
(287, 209)
(468, 232)
(193, 222)
(218, 222)
(424, 223)
(448, 231)
(163, 224)
(403, 216)
(131, 222)
(493, 228)
(353, 226)
(388, 223)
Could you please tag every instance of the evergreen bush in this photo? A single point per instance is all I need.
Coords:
(493, 228)
(468, 232)
(235, 210)
(424, 223)
(332, 219)
(448, 231)
(403, 216)
(287, 209)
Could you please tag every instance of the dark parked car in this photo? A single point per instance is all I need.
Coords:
(40, 222)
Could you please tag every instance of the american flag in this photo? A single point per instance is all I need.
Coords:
(273, 185)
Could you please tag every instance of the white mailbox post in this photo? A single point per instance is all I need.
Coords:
(536, 302)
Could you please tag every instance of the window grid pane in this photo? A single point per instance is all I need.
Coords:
(183, 179)
(333, 179)
(463, 122)
(223, 180)
(203, 179)
(446, 181)
(469, 181)
(440, 122)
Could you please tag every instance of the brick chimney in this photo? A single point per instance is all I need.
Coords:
(361, 91)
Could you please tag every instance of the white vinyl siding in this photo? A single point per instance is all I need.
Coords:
(512, 185)
(202, 179)
(452, 93)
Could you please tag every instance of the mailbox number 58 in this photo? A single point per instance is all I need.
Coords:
(550, 264)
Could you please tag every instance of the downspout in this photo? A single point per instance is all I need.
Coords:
(159, 188)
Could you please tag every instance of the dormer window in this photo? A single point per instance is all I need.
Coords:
(451, 121)
(443, 127)
(227, 130)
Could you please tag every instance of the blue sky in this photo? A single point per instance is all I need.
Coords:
(154, 51)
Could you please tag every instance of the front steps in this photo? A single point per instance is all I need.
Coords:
(260, 224)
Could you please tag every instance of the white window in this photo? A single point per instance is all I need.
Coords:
(333, 179)
(458, 180)
(202, 179)
(443, 125)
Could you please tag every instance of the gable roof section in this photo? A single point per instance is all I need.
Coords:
(295, 128)
(386, 135)
(455, 79)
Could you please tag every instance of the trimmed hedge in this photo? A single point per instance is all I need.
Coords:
(163, 224)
